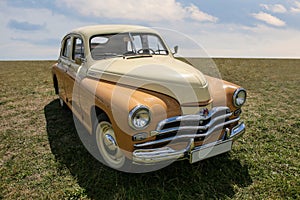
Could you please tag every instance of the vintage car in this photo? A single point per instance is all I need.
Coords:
(141, 105)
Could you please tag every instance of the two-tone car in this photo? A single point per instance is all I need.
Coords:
(141, 105)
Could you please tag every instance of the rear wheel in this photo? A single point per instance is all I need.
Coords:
(107, 143)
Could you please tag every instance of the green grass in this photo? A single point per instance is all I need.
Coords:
(42, 157)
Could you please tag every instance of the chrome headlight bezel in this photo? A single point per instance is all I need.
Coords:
(135, 115)
(239, 97)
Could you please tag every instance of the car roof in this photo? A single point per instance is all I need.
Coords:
(89, 31)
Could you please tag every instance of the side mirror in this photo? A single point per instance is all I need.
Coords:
(175, 50)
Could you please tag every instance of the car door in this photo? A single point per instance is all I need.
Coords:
(72, 80)
(63, 64)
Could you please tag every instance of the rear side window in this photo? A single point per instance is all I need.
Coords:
(67, 48)
(78, 50)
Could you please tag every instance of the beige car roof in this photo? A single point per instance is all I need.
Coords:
(89, 31)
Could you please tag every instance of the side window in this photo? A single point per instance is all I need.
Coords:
(67, 48)
(137, 42)
(78, 49)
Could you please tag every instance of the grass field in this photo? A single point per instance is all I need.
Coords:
(42, 157)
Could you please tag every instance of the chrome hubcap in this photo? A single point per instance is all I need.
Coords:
(107, 145)
(110, 142)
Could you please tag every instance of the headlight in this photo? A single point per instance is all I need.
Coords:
(139, 117)
(239, 97)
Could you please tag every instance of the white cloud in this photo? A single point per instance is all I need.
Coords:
(146, 10)
(196, 14)
(269, 19)
(297, 8)
(277, 8)
(232, 40)
(218, 39)
(130, 9)
(38, 44)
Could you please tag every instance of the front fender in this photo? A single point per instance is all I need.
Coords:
(118, 100)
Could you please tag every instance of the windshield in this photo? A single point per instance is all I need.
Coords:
(126, 44)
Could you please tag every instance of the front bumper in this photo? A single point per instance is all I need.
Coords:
(194, 154)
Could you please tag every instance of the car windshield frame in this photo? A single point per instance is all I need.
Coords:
(103, 46)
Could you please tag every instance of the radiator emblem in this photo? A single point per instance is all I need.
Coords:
(204, 112)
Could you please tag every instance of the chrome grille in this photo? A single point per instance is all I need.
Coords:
(195, 126)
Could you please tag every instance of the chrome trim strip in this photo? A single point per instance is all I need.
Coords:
(155, 142)
(199, 104)
(214, 111)
(195, 128)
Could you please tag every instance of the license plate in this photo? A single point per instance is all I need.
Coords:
(210, 151)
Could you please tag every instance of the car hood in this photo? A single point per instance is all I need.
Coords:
(162, 74)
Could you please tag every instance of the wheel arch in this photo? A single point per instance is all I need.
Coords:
(95, 112)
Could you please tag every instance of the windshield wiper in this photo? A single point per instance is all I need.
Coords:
(138, 56)
(133, 54)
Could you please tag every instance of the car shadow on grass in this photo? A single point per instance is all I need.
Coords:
(217, 177)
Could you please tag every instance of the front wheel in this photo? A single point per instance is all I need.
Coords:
(107, 143)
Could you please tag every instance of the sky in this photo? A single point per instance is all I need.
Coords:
(33, 29)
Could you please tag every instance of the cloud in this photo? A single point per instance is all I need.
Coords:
(297, 8)
(269, 19)
(30, 4)
(40, 42)
(145, 11)
(194, 13)
(25, 26)
(233, 36)
(277, 8)
(235, 40)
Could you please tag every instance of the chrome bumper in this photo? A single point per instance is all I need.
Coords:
(157, 155)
